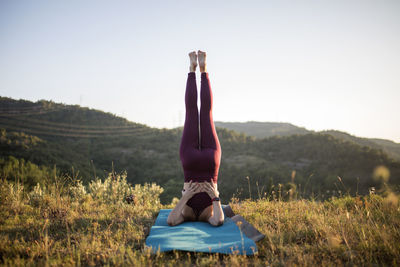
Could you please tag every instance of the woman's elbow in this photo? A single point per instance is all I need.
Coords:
(217, 222)
(173, 221)
(170, 221)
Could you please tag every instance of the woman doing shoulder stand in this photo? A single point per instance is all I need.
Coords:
(200, 154)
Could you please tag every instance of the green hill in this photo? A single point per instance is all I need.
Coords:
(268, 129)
(87, 143)
(390, 147)
(263, 129)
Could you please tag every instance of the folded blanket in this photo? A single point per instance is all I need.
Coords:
(199, 237)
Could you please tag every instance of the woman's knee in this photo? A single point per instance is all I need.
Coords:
(188, 214)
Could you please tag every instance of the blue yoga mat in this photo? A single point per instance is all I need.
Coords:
(198, 237)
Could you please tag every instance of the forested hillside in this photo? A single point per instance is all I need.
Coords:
(46, 137)
(262, 129)
(390, 147)
(269, 129)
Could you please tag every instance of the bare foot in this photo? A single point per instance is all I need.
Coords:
(193, 61)
(202, 61)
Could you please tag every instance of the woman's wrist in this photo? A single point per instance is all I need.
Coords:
(214, 195)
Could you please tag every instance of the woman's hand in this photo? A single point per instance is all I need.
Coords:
(193, 189)
(210, 189)
(175, 217)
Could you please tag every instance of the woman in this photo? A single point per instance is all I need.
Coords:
(200, 155)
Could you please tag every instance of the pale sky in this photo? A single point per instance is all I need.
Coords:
(316, 64)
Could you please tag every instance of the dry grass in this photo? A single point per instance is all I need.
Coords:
(95, 226)
(347, 230)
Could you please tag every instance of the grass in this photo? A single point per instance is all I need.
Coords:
(58, 225)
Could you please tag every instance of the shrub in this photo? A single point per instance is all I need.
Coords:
(115, 189)
(78, 192)
(36, 195)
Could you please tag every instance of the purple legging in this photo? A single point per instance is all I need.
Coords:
(200, 155)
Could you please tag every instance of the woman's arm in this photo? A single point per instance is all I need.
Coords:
(175, 217)
(218, 215)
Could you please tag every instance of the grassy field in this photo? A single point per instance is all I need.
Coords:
(95, 225)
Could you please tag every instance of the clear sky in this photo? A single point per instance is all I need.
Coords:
(316, 64)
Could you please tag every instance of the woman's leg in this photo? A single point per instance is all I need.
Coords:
(190, 136)
(210, 145)
(209, 138)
